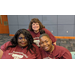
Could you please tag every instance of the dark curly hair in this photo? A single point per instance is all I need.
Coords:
(42, 31)
(35, 20)
(28, 36)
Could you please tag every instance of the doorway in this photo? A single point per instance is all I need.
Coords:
(4, 28)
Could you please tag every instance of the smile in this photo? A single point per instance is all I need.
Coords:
(45, 47)
(22, 43)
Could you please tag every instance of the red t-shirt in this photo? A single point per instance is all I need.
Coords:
(18, 52)
(36, 36)
(59, 52)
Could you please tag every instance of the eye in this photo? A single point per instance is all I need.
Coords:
(37, 24)
(46, 41)
(20, 38)
(33, 24)
(41, 42)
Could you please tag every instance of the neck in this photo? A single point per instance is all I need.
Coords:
(22, 46)
(52, 48)
(36, 31)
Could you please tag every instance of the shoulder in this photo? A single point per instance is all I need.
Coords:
(61, 49)
(61, 53)
(46, 30)
(35, 45)
(7, 43)
(28, 29)
(3, 47)
(64, 53)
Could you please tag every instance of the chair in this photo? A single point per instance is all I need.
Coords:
(73, 55)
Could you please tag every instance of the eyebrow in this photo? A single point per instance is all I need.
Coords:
(45, 40)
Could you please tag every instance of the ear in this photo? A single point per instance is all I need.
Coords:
(51, 40)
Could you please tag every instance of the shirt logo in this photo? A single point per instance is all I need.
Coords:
(37, 41)
(18, 55)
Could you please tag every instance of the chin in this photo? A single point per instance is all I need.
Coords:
(35, 29)
(46, 50)
(23, 45)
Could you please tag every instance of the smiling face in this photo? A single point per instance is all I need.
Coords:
(22, 41)
(35, 27)
(46, 43)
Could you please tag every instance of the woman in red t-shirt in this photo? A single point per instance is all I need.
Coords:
(21, 46)
(34, 28)
(51, 51)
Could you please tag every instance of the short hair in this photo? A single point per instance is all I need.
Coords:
(44, 34)
(35, 20)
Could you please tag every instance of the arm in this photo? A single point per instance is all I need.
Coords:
(67, 55)
(1, 53)
(54, 43)
(50, 35)
(3, 48)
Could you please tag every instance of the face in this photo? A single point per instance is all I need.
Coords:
(35, 26)
(22, 41)
(45, 43)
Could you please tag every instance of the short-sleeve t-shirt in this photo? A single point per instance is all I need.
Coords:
(59, 52)
(18, 52)
(36, 36)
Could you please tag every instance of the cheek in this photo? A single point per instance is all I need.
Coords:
(49, 45)
(41, 45)
(19, 41)
(33, 26)
(38, 26)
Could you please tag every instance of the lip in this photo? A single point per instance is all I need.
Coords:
(22, 43)
(45, 48)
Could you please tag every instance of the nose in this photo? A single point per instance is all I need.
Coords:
(23, 39)
(44, 44)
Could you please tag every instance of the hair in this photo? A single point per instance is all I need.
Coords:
(42, 33)
(35, 20)
(28, 36)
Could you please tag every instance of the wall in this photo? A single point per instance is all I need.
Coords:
(59, 25)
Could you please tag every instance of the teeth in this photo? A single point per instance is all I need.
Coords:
(46, 47)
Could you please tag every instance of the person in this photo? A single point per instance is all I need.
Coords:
(34, 28)
(52, 51)
(21, 46)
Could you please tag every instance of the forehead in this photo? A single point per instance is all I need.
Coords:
(35, 23)
(43, 38)
(21, 35)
